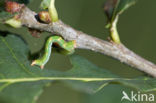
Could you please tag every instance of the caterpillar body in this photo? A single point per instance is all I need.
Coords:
(67, 46)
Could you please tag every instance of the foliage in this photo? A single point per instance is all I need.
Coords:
(19, 79)
(113, 8)
(5, 16)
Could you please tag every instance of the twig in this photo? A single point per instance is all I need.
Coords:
(84, 41)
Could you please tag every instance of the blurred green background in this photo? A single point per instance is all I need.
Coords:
(137, 31)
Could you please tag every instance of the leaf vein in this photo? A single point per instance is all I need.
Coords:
(14, 56)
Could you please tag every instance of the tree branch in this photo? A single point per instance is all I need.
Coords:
(84, 41)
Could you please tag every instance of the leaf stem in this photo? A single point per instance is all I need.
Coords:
(113, 31)
(53, 11)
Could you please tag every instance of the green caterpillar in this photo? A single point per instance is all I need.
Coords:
(68, 48)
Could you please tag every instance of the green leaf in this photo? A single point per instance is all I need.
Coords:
(5, 16)
(14, 64)
(144, 84)
(84, 68)
(21, 83)
(113, 8)
(98, 78)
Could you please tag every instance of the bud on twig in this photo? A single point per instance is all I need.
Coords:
(44, 17)
(13, 7)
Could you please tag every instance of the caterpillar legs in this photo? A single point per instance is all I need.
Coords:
(68, 48)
